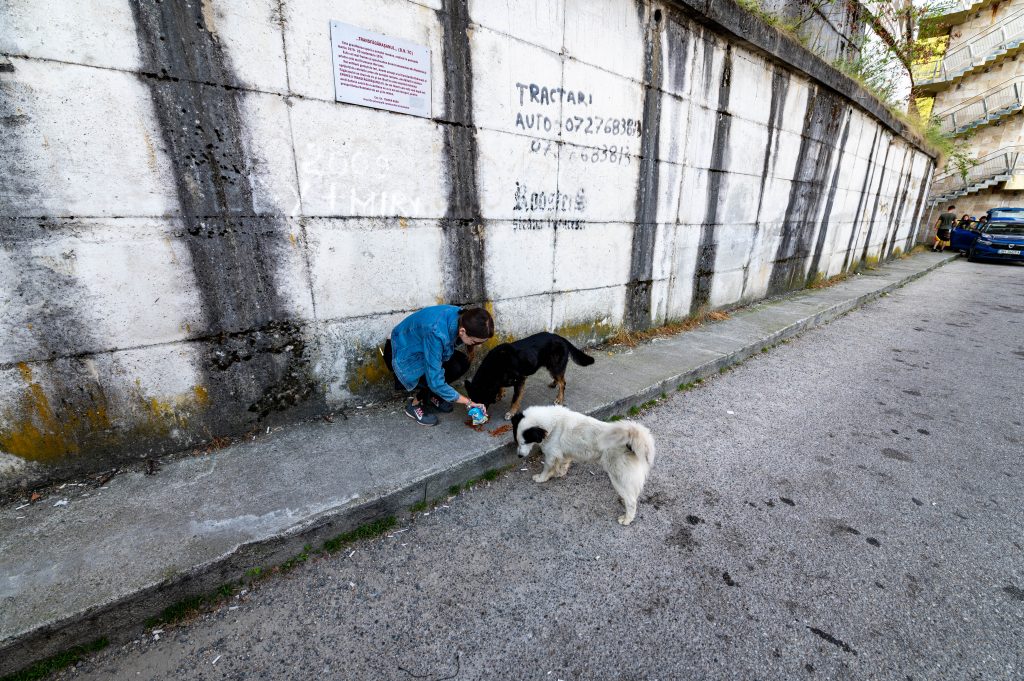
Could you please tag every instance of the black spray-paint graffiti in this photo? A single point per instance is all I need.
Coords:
(527, 201)
(585, 125)
(531, 225)
(539, 94)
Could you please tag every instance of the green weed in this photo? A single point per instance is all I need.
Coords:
(44, 668)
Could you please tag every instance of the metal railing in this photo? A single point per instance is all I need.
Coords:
(998, 39)
(995, 102)
(989, 170)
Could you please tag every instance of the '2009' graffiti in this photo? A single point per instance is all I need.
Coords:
(527, 201)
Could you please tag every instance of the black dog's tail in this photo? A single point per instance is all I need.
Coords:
(578, 356)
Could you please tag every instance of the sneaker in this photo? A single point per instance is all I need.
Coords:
(417, 413)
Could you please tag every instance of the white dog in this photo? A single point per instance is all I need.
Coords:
(624, 449)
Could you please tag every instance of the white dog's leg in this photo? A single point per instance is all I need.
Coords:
(628, 492)
(551, 465)
(563, 468)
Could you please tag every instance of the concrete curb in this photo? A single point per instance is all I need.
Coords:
(121, 618)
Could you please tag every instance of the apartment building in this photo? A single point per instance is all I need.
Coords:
(978, 86)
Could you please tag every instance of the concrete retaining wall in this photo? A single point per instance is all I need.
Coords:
(196, 240)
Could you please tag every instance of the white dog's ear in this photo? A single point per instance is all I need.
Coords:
(535, 434)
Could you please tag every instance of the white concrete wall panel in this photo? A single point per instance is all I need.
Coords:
(751, 85)
(250, 33)
(91, 32)
(360, 162)
(540, 22)
(518, 178)
(600, 306)
(587, 19)
(595, 257)
(747, 147)
(66, 157)
(520, 258)
(268, 146)
(598, 185)
(673, 129)
(368, 266)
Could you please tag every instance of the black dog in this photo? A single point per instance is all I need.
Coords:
(509, 364)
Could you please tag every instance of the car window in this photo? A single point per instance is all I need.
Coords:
(1004, 229)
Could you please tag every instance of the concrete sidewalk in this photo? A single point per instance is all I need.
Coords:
(85, 562)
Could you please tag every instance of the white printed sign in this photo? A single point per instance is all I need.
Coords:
(374, 70)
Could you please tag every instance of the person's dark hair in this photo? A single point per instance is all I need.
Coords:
(951, 208)
(477, 322)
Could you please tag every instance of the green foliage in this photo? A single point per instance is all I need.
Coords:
(367, 531)
(634, 410)
(490, 475)
(454, 489)
(44, 668)
(616, 417)
(190, 607)
(419, 507)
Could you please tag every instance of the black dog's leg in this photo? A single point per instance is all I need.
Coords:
(517, 397)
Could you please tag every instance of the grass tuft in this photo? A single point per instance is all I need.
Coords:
(44, 668)
(367, 531)
(633, 338)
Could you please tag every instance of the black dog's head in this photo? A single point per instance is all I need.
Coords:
(531, 435)
(499, 368)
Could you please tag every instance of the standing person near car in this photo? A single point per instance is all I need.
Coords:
(944, 228)
(421, 354)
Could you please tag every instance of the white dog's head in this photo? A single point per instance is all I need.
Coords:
(526, 432)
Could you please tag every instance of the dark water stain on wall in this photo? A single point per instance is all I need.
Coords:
(780, 88)
(822, 120)
(869, 171)
(463, 223)
(878, 199)
(707, 248)
(819, 248)
(889, 245)
(62, 405)
(234, 253)
(915, 222)
(641, 264)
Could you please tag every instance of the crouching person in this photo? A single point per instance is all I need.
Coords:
(421, 354)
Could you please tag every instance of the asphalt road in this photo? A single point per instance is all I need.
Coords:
(847, 505)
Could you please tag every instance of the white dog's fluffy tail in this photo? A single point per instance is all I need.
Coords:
(636, 437)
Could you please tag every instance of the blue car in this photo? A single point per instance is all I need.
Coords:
(1001, 238)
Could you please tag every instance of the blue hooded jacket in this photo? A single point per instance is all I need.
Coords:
(421, 343)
